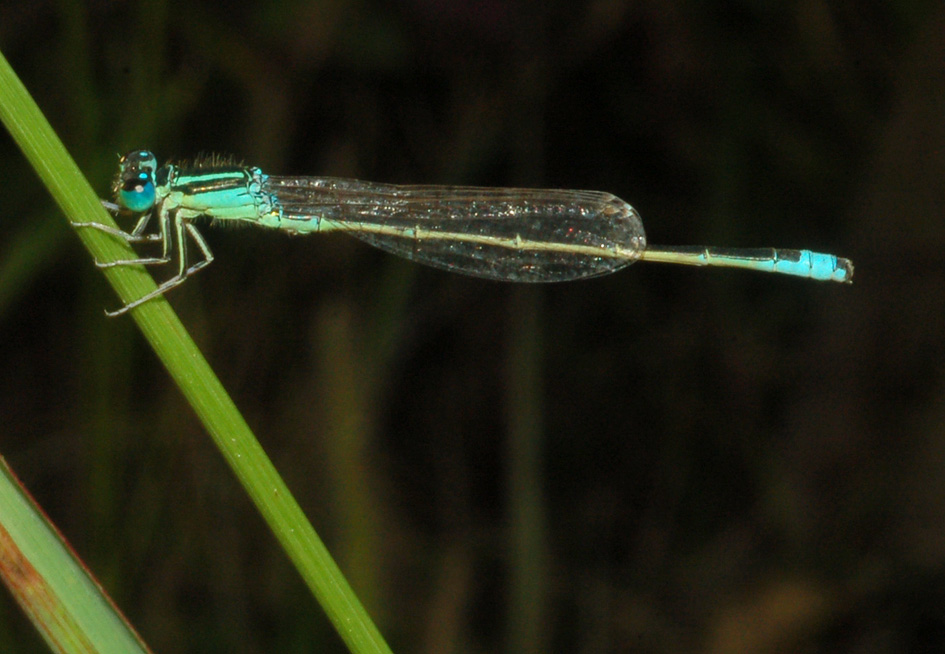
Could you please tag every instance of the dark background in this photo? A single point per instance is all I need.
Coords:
(668, 459)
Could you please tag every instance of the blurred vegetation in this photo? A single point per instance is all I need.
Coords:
(663, 460)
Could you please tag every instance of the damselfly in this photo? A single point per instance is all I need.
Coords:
(505, 234)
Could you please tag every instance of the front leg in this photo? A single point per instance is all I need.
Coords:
(137, 235)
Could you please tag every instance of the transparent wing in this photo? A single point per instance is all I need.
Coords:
(518, 235)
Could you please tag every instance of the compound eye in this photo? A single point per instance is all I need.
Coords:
(137, 192)
(139, 160)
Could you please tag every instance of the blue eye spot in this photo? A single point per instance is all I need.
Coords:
(137, 193)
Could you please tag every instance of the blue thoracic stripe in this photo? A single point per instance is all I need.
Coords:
(191, 183)
(225, 193)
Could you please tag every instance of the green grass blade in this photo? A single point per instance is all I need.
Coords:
(189, 370)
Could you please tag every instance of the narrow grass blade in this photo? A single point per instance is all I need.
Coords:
(190, 371)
